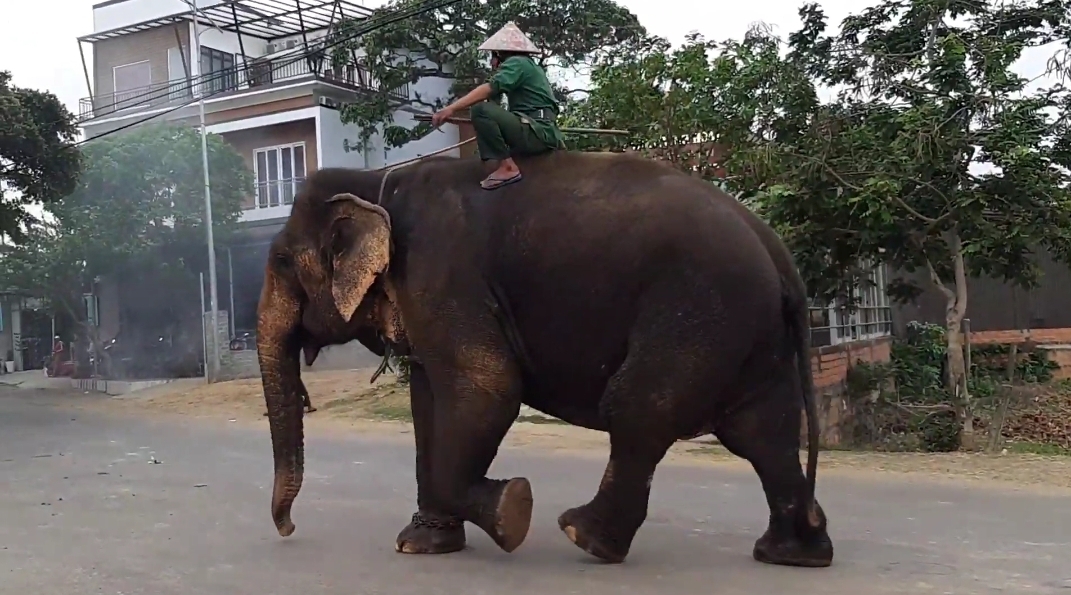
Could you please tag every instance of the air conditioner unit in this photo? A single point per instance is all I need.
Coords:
(291, 44)
(271, 48)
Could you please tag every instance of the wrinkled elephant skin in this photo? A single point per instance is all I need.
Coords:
(605, 289)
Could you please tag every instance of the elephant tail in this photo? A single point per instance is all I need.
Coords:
(797, 318)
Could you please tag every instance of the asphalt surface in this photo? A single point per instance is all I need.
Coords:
(84, 510)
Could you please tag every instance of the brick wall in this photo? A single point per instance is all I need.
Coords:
(830, 365)
(1041, 336)
(1055, 341)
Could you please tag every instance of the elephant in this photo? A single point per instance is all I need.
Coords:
(608, 290)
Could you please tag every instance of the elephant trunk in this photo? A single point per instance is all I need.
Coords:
(285, 402)
(277, 352)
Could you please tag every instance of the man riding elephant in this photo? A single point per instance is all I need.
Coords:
(528, 127)
(610, 291)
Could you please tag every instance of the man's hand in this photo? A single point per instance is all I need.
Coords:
(440, 117)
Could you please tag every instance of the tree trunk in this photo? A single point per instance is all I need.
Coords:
(957, 378)
(955, 312)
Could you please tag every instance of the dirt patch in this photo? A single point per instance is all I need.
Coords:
(347, 403)
(336, 394)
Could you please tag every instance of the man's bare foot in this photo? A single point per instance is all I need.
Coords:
(501, 176)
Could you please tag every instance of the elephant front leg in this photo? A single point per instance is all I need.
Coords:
(475, 403)
(431, 530)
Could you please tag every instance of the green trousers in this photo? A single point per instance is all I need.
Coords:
(501, 134)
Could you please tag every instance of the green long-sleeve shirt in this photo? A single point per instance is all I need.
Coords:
(528, 90)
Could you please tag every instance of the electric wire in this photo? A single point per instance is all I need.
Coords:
(365, 27)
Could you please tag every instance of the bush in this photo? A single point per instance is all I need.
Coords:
(915, 411)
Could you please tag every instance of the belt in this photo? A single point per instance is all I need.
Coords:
(541, 114)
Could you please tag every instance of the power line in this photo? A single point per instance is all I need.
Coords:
(366, 26)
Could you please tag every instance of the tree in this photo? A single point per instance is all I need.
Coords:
(138, 205)
(932, 154)
(443, 44)
(936, 155)
(37, 162)
(688, 105)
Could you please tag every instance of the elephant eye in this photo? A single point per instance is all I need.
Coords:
(282, 259)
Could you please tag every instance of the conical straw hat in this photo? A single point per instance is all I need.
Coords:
(509, 39)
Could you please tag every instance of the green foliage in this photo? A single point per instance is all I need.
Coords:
(689, 104)
(138, 203)
(443, 44)
(992, 360)
(919, 361)
(932, 152)
(904, 405)
(932, 155)
(37, 163)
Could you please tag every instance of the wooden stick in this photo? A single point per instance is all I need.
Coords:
(462, 119)
(432, 154)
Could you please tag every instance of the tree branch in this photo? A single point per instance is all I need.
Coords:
(948, 293)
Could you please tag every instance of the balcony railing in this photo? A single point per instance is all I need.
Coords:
(276, 193)
(256, 74)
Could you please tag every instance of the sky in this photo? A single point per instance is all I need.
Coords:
(38, 44)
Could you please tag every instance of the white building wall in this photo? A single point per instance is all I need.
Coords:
(437, 139)
(334, 136)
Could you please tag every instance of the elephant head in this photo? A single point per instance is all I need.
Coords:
(320, 271)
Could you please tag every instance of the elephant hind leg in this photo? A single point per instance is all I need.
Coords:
(647, 404)
(660, 393)
(765, 431)
(606, 526)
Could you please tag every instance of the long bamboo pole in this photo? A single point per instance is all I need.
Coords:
(462, 119)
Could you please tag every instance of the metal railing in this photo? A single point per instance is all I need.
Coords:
(833, 326)
(255, 74)
(275, 193)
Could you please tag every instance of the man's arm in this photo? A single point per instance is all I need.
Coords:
(507, 78)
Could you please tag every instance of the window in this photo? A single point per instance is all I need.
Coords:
(217, 71)
(279, 171)
(871, 318)
(131, 81)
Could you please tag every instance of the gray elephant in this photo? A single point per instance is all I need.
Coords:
(608, 290)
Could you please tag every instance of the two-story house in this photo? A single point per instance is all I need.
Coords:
(278, 108)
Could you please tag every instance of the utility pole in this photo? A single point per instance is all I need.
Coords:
(213, 290)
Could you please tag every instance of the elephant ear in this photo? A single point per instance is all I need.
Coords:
(359, 250)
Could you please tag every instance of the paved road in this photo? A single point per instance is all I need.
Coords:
(84, 511)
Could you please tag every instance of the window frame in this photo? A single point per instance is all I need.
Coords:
(224, 82)
(870, 319)
(118, 97)
(262, 198)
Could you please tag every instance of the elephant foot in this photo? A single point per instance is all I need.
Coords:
(581, 529)
(430, 535)
(777, 548)
(508, 522)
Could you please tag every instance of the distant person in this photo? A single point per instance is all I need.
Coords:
(57, 354)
